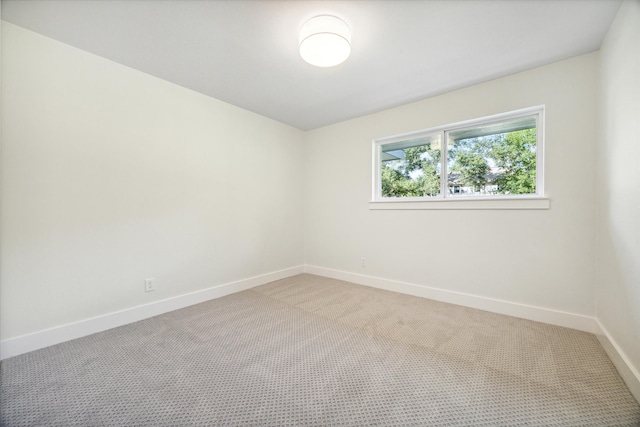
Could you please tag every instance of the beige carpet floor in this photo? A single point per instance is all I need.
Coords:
(313, 351)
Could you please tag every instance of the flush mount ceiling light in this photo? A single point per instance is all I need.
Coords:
(325, 41)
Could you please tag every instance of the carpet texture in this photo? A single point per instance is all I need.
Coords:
(313, 351)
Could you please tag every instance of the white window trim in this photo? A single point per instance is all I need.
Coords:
(533, 201)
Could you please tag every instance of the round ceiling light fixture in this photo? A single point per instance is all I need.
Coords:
(325, 41)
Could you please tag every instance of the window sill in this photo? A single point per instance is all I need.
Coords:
(462, 203)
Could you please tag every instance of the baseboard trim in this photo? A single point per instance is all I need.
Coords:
(626, 369)
(37, 340)
(630, 375)
(529, 312)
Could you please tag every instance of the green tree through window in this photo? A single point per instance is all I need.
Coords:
(506, 162)
(416, 175)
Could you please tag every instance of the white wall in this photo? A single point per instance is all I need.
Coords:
(618, 196)
(110, 176)
(535, 257)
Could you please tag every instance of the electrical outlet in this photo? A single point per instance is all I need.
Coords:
(363, 262)
(149, 284)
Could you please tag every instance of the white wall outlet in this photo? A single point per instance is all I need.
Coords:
(149, 284)
(363, 262)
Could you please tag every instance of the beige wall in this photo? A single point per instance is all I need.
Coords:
(110, 176)
(618, 196)
(535, 257)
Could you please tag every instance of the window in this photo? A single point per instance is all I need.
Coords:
(492, 158)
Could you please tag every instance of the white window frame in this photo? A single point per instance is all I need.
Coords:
(443, 200)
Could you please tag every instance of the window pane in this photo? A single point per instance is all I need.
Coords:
(411, 168)
(494, 159)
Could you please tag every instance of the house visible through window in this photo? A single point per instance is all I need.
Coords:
(492, 157)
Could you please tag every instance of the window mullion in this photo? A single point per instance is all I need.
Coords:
(539, 154)
(377, 171)
(443, 164)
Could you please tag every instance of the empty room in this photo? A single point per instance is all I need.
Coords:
(320, 213)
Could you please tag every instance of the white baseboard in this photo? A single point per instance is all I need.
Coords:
(34, 341)
(629, 373)
(539, 314)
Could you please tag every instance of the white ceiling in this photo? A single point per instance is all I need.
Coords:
(246, 52)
